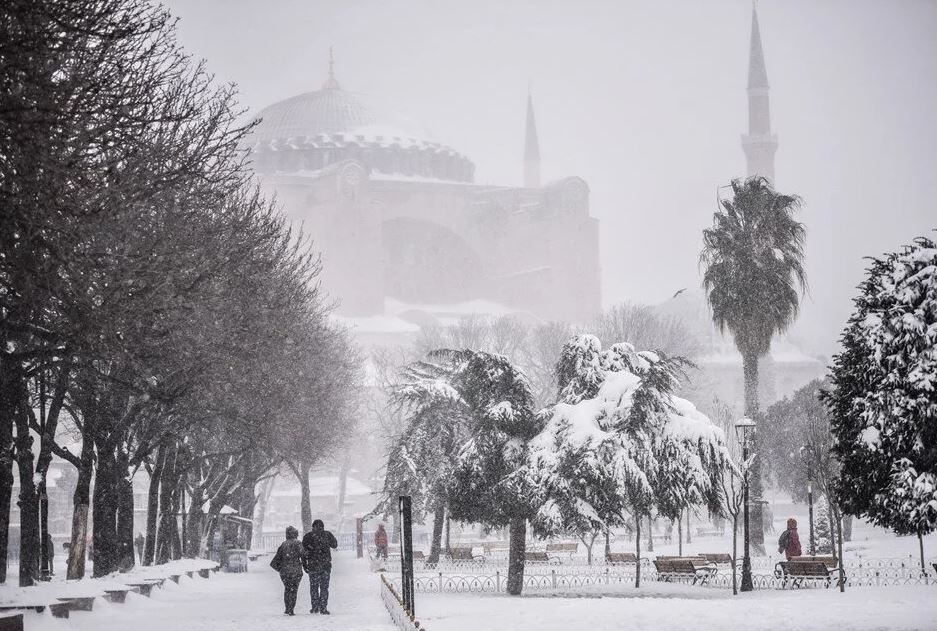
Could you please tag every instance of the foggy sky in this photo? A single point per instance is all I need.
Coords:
(644, 100)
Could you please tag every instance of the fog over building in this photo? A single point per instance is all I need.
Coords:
(407, 237)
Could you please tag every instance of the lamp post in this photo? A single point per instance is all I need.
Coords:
(743, 430)
(813, 550)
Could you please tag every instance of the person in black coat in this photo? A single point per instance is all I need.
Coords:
(318, 544)
(289, 562)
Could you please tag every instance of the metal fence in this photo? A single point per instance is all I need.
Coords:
(402, 620)
(481, 578)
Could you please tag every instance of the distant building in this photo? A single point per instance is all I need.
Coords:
(407, 237)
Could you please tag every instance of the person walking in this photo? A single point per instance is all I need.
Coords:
(789, 541)
(380, 542)
(289, 562)
(318, 544)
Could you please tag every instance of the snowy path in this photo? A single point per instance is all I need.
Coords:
(237, 602)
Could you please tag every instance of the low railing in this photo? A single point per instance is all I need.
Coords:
(402, 619)
(574, 578)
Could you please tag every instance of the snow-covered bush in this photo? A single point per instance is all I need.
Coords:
(619, 442)
(883, 400)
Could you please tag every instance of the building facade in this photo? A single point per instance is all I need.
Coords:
(403, 229)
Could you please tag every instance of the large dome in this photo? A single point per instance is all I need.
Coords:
(306, 133)
(331, 111)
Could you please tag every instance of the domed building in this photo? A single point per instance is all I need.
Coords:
(407, 238)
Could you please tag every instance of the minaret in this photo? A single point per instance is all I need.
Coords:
(759, 143)
(331, 83)
(531, 149)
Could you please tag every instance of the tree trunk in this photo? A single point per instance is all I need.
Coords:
(167, 518)
(7, 413)
(395, 521)
(438, 519)
(305, 509)
(448, 530)
(650, 534)
(839, 548)
(152, 508)
(755, 517)
(28, 501)
(679, 535)
(608, 543)
(81, 500)
(735, 553)
(126, 558)
(637, 550)
(920, 542)
(342, 488)
(106, 552)
(261, 514)
(195, 526)
(689, 536)
(517, 554)
(847, 527)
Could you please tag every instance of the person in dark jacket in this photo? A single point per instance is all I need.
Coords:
(789, 542)
(289, 562)
(318, 544)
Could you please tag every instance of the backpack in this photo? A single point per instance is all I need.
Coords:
(784, 540)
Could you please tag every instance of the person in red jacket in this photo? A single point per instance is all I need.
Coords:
(380, 541)
(789, 542)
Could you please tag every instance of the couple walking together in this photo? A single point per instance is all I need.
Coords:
(314, 555)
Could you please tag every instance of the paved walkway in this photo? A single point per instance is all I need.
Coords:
(252, 601)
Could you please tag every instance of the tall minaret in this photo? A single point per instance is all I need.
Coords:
(759, 143)
(531, 148)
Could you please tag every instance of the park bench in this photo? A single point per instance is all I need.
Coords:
(116, 595)
(464, 554)
(78, 603)
(696, 568)
(204, 572)
(175, 578)
(709, 532)
(190, 573)
(719, 558)
(11, 621)
(620, 558)
(812, 568)
(538, 556)
(57, 609)
(567, 549)
(144, 588)
(495, 546)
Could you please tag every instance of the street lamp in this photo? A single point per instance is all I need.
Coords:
(807, 455)
(743, 430)
(813, 550)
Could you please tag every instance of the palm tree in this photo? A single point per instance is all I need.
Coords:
(753, 275)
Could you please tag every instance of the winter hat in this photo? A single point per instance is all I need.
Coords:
(291, 533)
(792, 524)
(318, 525)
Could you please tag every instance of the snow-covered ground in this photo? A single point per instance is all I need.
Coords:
(231, 602)
(675, 607)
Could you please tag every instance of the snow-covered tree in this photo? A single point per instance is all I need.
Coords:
(822, 527)
(883, 400)
(619, 442)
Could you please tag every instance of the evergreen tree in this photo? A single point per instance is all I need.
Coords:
(882, 403)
